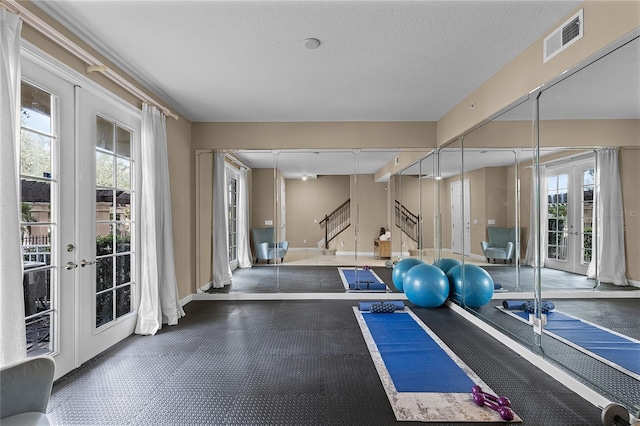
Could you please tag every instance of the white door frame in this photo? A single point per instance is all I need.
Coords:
(574, 232)
(460, 220)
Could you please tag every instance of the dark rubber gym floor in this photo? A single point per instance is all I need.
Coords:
(619, 315)
(282, 363)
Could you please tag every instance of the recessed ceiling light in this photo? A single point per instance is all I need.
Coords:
(312, 43)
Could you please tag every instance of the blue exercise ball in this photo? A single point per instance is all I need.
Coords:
(446, 264)
(401, 268)
(426, 286)
(478, 285)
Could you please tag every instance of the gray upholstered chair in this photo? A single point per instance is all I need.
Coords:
(25, 388)
(264, 246)
(501, 244)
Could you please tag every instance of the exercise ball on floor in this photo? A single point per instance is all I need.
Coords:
(478, 285)
(401, 268)
(426, 286)
(446, 264)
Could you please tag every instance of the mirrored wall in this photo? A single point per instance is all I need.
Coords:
(318, 211)
(544, 198)
(526, 196)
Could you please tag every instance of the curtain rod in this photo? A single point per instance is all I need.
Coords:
(92, 64)
(235, 160)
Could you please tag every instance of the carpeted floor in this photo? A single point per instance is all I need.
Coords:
(282, 363)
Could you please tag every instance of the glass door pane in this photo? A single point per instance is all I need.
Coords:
(107, 246)
(47, 206)
(38, 230)
(114, 222)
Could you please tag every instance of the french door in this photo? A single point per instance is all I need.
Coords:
(570, 207)
(47, 228)
(109, 143)
(78, 157)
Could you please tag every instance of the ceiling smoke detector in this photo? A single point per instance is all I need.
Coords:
(312, 43)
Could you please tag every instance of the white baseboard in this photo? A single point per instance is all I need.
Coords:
(186, 300)
(205, 287)
(300, 296)
(634, 283)
(353, 253)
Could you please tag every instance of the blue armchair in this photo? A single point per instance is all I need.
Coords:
(501, 244)
(25, 390)
(264, 246)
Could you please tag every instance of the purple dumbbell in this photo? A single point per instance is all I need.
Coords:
(502, 401)
(505, 412)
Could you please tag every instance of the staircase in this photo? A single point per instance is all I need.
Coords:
(408, 222)
(336, 222)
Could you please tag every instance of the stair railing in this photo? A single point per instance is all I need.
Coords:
(336, 222)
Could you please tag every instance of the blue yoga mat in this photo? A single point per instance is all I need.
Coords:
(362, 279)
(416, 363)
(360, 276)
(367, 286)
(366, 306)
(620, 350)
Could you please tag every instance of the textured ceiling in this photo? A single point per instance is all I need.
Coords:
(378, 61)
(245, 61)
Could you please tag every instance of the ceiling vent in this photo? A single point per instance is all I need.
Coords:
(567, 34)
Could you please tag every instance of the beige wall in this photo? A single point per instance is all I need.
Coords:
(182, 178)
(562, 133)
(339, 135)
(179, 137)
(604, 23)
(371, 210)
(262, 197)
(308, 202)
(204, 218)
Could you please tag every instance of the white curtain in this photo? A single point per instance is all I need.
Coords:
(220, 257)
(611, 267)
(244, 250)
(544, 211)
(159, 301)
(13, 345)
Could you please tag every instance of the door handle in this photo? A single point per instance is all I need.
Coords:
(70, 265)
(84, 263)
